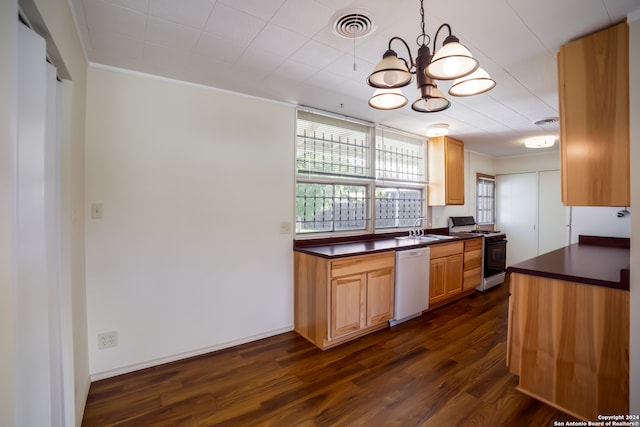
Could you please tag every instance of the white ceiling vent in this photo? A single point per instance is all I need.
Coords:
(352, 23)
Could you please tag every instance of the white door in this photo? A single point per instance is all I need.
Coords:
(39, 381)
(552, 229)
(517, 214)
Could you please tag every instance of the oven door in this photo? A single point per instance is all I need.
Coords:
(495, 254)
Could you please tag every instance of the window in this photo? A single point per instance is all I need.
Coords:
(485, 199)
(345, 185)
(400, 161)
(330, 207)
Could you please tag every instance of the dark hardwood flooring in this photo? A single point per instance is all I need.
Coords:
(446, 368)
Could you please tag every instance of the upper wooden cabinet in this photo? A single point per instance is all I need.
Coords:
(446, 171)
(593, 86)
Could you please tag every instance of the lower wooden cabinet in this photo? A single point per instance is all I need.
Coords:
(342, 299)
(445, 276)
(569, 344)
(361, 301)
(472, 263)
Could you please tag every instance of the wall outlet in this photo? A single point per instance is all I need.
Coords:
(107, 339)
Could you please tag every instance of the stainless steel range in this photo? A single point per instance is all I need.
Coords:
(494, 250)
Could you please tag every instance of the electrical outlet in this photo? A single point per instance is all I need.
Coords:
(107, 339)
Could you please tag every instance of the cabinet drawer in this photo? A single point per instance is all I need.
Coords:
(473, 244)
(472, 259)
(446, 249)
(472, 278)
(362, 264)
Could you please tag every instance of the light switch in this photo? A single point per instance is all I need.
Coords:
(285, 228)
(96, 210)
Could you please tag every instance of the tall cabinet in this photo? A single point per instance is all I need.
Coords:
(593, 84)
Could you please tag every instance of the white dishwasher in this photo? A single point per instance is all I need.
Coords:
(412, 284)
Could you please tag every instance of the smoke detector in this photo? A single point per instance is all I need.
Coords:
(352, 23)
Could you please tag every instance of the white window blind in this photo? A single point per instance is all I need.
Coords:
(331, 147)
(399, 158)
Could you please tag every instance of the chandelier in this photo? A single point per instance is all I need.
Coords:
(452, 62)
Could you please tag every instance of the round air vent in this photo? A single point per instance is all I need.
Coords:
(352, 24)
(547, 121)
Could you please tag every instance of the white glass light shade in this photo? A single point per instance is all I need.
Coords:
(540, 141)
(437, 129)
(388, 99)
(474, 84)
(390, 73)
(452, 61)
(431, 100)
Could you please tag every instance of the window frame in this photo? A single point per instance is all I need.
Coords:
(479, 178)
(370, 181)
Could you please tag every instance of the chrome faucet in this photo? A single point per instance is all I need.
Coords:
(414, 232)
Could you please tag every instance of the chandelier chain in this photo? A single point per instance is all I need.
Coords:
(423, 38)
(422, 16)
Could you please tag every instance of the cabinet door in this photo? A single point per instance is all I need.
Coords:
(380, 292)
(437, 279)
(453, 275)
(593, 86)
(454, 172)
(347, 304)
(445, 171)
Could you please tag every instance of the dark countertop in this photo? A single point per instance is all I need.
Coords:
(338, 250)
(593, 264)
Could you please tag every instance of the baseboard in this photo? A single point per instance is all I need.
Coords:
(172, 358)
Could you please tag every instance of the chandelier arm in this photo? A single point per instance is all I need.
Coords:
(411, 65)
(435, 38)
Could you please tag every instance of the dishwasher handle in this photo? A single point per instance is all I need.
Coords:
(410, 253)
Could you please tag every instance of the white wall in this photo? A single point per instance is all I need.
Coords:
(474, 163)
(194, 184)
(530, 163)
(634, 113)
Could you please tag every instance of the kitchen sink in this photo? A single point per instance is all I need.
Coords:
(426, 237)
(419, 238)
(440, 236)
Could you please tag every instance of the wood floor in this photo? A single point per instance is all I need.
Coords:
(444, 369)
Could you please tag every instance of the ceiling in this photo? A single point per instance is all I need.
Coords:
(286, 50)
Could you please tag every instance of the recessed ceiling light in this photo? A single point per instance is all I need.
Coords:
(540, 141)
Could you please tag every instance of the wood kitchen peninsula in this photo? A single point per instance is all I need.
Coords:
(568, 330)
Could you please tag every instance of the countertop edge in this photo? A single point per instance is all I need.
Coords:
(576, 279)
(312, 250)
